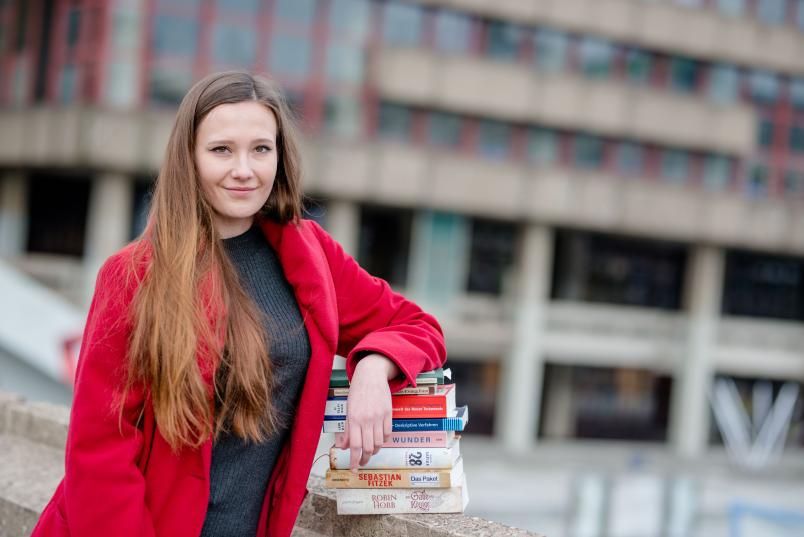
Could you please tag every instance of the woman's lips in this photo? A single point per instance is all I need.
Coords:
(240, 192)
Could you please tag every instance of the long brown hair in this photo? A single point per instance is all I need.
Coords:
(189, 282)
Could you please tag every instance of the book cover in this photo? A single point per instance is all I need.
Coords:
(438, 405)
(338, 377)
(422, 439)
(389, 501)
(400, 457)
(456, 422)
(427, 389)
(396, 478)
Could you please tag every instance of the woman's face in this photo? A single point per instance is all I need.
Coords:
(236, 156)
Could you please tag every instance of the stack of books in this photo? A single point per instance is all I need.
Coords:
(419, 469)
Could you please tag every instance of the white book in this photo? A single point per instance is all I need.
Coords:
(389, 501)
(401, 457)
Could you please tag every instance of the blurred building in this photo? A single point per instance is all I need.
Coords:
(600, 199)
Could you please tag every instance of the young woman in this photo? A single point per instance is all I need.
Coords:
(206, 356)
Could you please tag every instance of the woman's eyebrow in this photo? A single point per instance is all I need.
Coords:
(260, 140)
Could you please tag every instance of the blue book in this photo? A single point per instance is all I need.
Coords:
(456, 422)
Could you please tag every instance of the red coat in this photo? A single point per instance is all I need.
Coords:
(131, 484)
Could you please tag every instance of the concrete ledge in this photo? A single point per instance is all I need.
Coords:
(32, 437)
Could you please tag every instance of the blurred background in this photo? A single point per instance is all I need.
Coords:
(601, 200)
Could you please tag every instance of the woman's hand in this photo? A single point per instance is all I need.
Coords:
(368, 409)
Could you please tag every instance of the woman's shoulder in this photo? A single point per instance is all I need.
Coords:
(125, 269)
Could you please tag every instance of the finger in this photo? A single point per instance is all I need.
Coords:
(355, 445)
(368, 443)
(378, 437)
(387, 428)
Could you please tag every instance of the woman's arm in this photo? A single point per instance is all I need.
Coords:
(387, 341)
(104, 489)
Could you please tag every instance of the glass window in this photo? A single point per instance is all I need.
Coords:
(794, 182)
(551, 49)
(503, 41)
(542, 145)
(290, 55)
(800, 14)
(797, 139)
(402, 24)
(126, 32)
(765, 133)
(763, 285)
(596, 57)
(69, 84)
(121, 88)
(345, 62)
(342, 115)
(690, 3)
(764, 86)
(349, 18)
(638, 66)
(494, 139)
(296, 11)
(733, 8)
(684, 74)
(453, 32)
(758, 181)
(479, 383)
(724, 82)
(233, 44)
(73, 25)
(445, 129)
(797, 92)
(772, 11)
(175, 35)
(717, 173)
(394, 122)
(630, 158)
(384, 243)
(492, 256)
(587, 151)
(57, 214)
(675, 165)
(251, 7)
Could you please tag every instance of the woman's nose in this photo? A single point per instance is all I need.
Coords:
(242, 169)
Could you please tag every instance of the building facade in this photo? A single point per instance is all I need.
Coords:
(600, 199)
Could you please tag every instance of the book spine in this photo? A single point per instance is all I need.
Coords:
(411, 425)
(425, 440)
(404, 406)
(398, 458)
(384, 502)
(367, 479)
(410, 390)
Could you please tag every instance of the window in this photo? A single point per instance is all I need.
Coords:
(503, 40)
(758, 181)
(445, 129)
(630, 158)
(597, 56)
(342, 115)
(760, 285)
(248, 7)
(794, 182)
(587, 151)
(175, 35)
(799, 5)
(345, 62)
(384, 243)
(764, 86)
(57, 211)
(143, 192)
(169, 83)
(479, 383)
(394, 122)
(349, 19)
(551, 49)
(638, 66)
(542, 145)
(797, 139)
(724, 81)
(453, 32)
(290, 55)
(69, 84)
(492, 256)
(298, 12)
(233, 44)
(600, 268)
(717, 173)
(675, 165)
(732, 8)
(772, 11)
(765, 133)
(402, 24)
(797, 92)
(684, 74)
(494, 139)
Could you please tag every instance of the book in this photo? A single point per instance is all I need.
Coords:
(396, 478)
(455, 422)
(427, 389)
(400, 457)
(338, 378)
(389, 501)
(420, 439)
(439, 405)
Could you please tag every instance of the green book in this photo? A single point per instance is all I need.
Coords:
(436, 376)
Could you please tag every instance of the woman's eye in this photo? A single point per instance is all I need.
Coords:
(263, 149)
(219, 149)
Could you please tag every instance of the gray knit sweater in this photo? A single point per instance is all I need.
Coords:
(241, 470)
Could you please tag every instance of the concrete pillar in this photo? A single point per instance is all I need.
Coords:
(13, 214)
(343, 223)
(108, 223)
(689, 420)
(520, 395)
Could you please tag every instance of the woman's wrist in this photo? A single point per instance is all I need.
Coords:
(378, 364)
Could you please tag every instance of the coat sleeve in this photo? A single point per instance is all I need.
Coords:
(104, 488)
(374, 318)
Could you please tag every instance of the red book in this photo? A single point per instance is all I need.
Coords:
(437, 405)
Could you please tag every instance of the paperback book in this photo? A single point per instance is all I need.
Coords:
(338, 378)
(438, 405)
(390, 501)
(397, 478)
(422, 439)
(455, 422)
(400, 457)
